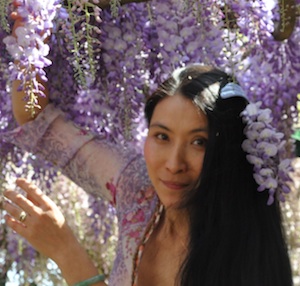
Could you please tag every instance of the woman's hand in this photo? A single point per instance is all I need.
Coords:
(39, 220)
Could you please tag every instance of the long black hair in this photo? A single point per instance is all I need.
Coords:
(236, 239)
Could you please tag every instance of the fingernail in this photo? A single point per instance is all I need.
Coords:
(3, 202)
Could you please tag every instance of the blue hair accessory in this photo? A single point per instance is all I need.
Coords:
(232, 89)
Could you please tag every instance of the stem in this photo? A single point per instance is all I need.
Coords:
(286, 25)
(77, 66)
(104, 4)
(3, 15)
(229, 48)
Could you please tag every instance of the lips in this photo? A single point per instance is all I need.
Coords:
(174, 185)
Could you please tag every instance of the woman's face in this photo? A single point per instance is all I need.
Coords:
(175, 148)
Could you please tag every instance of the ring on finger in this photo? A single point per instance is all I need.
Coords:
(22, 216)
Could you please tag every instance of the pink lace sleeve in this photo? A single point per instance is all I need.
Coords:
(89, 161)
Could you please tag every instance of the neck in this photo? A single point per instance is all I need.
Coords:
(175, 223)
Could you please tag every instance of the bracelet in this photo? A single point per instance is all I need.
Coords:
(91, 281)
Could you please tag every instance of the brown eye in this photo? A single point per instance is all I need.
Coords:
(162, 136)
(200, 142)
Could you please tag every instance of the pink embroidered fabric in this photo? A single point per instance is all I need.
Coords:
(100, 168)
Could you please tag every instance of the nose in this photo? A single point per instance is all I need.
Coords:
(176, 160)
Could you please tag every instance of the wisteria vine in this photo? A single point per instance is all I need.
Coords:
(100, 64)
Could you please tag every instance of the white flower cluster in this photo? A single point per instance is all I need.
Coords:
(266, 149)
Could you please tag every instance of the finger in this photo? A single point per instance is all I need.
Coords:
(17, 3)
(14, 211)
(20, 201)
(15, 225)
(29, 197)
(33, 192)
(15, 16)
(17, 24)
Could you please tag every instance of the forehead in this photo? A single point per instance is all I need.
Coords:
(177, 111)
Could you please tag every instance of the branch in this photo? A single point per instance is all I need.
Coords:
(105, 3)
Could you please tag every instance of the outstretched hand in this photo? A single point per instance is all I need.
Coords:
(39, 220)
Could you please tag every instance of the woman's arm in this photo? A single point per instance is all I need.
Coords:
(46, 229)
(21, 115)
(92, 163)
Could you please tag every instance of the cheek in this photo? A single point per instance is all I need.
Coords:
(151, 155)
(197, 163)
(200, 164)
(148, 152)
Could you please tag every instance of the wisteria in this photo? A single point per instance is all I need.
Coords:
(143, 43)
(100, 64)
(266, 149)
(29, 49)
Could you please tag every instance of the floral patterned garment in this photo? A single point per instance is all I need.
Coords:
(101, 169)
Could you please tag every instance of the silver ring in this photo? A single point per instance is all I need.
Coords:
(22, 216)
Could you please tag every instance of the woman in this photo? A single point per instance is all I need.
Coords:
(199, 221)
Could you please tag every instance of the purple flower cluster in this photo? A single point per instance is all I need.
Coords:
(28, 47)
(270, 68)
(266, 149)
(140, 47)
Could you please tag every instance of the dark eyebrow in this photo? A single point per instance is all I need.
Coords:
(159, 125)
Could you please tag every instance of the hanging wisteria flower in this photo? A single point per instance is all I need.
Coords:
(266, 147)
(28, 48)
(81, 35)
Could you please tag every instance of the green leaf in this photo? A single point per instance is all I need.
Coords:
(296, 135)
